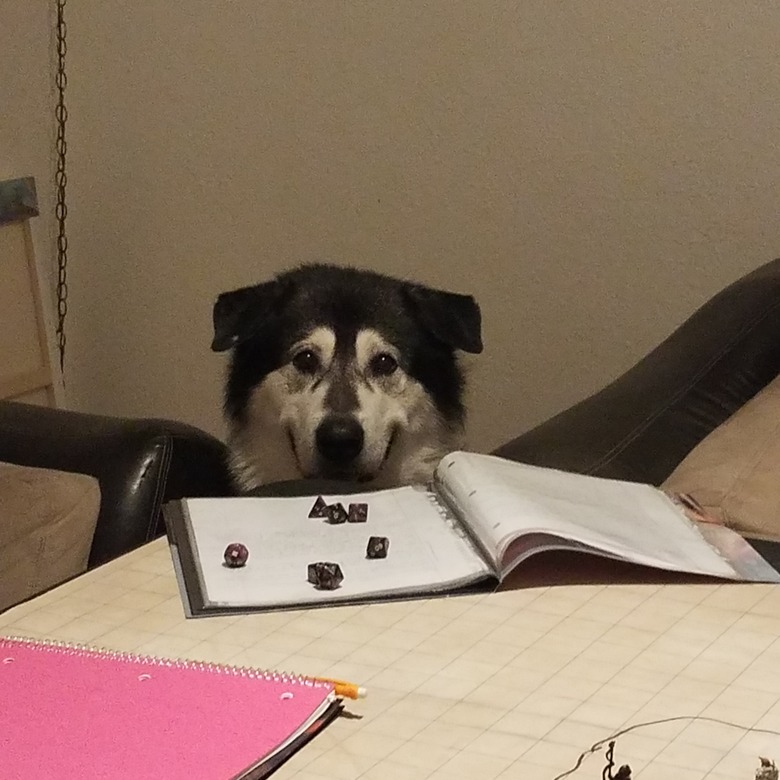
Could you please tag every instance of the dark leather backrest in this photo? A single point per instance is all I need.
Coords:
(643, 424)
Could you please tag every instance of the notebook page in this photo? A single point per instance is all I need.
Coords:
(425, 550)
(630, 520)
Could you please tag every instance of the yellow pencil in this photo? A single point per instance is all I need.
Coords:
(347, 689)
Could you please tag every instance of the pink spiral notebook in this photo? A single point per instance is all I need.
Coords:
(83, 713)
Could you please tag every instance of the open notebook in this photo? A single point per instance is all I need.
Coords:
(482, 518)
(74, 713)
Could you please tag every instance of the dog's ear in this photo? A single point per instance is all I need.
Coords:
(452, 318)
(239, 314)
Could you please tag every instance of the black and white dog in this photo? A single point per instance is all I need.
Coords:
(339, 373)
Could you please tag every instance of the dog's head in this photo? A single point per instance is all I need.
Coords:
(343, 373)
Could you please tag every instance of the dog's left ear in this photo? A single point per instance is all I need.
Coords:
(452, 318)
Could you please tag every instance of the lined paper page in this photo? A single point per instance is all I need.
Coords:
(630, 520)
(425, 551)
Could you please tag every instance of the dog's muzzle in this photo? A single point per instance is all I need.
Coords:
(339, 439)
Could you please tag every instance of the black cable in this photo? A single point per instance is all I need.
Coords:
(598, 745)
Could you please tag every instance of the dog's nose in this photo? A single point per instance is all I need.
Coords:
(339, 439)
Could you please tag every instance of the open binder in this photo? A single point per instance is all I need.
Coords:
(482, 517)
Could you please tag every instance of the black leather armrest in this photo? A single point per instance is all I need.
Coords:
(644, 423)
(139, 464)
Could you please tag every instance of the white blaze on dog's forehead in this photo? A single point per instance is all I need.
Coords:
(369, 343)
(322, 340)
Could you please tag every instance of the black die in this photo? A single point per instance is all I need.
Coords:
(325, 575)
(320, 508)
(358, 513)
(236, 555)
(377, 547)
(336, 514)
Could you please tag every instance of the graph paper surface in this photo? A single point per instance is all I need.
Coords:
(506, 685)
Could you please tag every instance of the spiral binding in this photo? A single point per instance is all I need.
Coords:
(444, 511)
(78, 649)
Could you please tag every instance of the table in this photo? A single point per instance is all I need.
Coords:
(486, 687)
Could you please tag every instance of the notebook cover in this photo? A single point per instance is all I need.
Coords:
(184, 563)
(96, 714)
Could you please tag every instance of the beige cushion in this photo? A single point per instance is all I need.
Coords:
(735, 471)
(47, 521)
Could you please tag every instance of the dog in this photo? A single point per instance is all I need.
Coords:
(340, 373)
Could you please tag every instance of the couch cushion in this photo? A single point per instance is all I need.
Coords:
(47, 521)
(735, 471)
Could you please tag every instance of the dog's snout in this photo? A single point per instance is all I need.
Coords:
(340, 439)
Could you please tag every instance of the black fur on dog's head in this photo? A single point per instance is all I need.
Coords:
(346, 373)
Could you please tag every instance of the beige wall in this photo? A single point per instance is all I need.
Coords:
(26, 107)
(591, 171)
(27, 135)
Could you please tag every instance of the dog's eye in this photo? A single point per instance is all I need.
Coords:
(383, 364)
(306, 361)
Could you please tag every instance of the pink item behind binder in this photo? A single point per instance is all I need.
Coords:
(75, 713)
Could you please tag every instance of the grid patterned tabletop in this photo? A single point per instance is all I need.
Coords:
(490, 687)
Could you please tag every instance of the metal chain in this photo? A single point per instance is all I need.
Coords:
(61, 180)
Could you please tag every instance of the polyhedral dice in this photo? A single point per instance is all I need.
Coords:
(336, 514)
(236, 555)
(325, 575)
(377, 547)
(319, 509)
(358, 513)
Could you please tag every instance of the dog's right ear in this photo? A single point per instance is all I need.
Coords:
(241, 313)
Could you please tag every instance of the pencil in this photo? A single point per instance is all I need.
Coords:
(342, 688)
